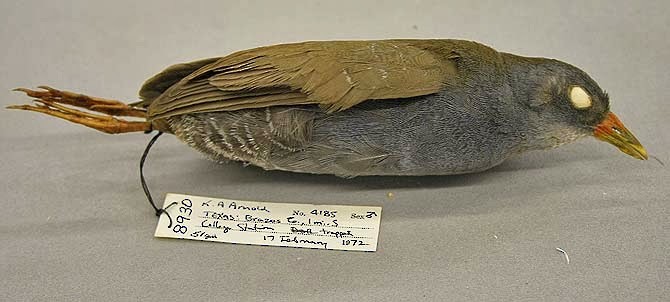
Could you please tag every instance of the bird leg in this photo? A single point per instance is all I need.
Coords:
(51, 101)
(110, 107)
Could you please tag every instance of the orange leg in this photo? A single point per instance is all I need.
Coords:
(50, 101)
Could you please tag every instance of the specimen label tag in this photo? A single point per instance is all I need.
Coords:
(329, 227)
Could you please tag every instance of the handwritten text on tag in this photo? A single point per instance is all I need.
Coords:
(332, 227)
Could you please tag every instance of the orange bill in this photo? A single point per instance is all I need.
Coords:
(612, 130)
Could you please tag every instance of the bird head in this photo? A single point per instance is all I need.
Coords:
(570, 104)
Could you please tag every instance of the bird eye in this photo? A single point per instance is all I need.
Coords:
(580, 98)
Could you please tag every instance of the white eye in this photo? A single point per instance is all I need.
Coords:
(579, 98)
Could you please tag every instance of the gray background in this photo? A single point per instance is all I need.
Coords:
(75, 224)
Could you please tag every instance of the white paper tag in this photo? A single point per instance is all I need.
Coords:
(330, 227)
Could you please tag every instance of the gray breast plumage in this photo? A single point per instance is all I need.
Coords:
(430, 135)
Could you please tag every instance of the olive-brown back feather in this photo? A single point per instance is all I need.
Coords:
(336, 75)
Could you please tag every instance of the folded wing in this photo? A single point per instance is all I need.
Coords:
(335, 75)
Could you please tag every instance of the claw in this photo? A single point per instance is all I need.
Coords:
(111, 107)
(51, 101)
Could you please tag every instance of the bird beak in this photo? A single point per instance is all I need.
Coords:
(612, 130)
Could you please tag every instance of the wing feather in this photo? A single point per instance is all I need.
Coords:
(335, 75)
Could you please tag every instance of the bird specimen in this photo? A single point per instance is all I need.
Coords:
(352, 108)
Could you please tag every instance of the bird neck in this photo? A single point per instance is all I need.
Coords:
(526, 75)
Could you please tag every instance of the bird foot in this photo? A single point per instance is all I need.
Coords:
(111, 107)
(51, 101)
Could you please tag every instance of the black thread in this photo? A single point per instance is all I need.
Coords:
(159, 211)
(164, 211)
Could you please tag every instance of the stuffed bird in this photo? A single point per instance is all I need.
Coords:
(352, 108)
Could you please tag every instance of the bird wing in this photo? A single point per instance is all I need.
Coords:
(335, 75)
(156, 85)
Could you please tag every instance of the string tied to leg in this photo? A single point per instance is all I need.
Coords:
(143, 181)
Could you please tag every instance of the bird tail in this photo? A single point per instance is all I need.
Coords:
(69, 105)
